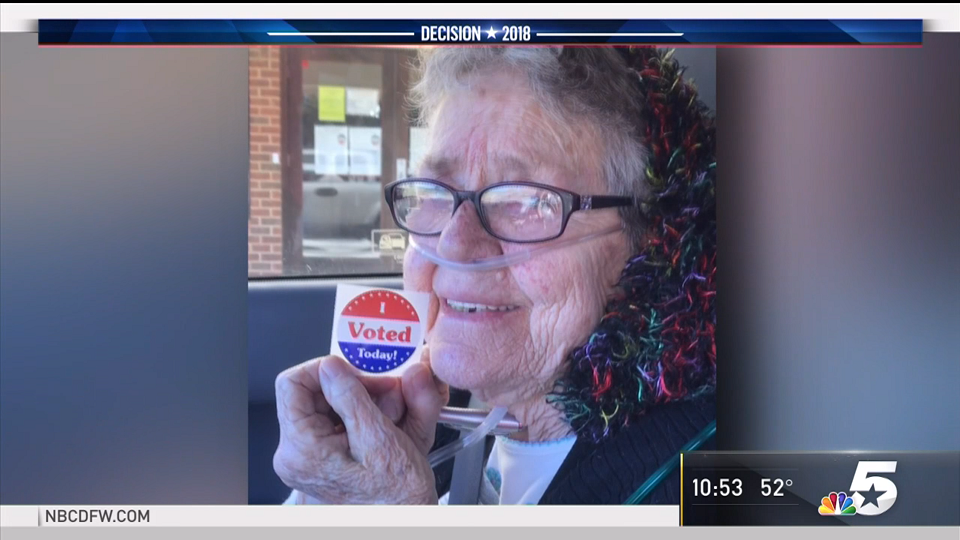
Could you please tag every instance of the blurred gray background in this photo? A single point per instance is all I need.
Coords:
(839, 257)
(123, 274)
(701, 67)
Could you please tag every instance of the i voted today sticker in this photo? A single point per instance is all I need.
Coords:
(379, 331)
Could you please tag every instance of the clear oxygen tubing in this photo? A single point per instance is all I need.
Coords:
(476, 435)
(507, 259)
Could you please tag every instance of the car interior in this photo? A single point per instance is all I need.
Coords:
(317, 219)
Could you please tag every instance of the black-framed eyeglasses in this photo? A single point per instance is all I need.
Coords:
(520, 212)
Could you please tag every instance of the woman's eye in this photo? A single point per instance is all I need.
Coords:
(547, 206)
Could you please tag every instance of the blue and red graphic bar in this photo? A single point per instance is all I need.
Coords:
(480, 32)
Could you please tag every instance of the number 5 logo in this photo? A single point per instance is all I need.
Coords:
(873, 495)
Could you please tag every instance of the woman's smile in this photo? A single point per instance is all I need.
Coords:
(486, 312)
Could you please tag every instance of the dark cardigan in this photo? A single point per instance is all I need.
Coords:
(610, 472)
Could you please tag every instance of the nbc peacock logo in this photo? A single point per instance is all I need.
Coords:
(870, 493)
(837, 504)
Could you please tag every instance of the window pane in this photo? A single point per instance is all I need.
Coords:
(327, 131)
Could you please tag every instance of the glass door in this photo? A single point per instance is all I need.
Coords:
(346, 130)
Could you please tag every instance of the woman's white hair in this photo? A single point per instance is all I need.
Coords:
(589, 85)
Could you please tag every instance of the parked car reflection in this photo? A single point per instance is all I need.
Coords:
(338, 207)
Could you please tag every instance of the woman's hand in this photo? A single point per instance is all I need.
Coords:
(346, 439)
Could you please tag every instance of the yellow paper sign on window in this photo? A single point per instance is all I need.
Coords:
(333, 103)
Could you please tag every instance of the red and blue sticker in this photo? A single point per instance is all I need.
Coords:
(378, 331)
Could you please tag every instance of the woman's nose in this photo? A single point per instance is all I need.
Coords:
(464, 237)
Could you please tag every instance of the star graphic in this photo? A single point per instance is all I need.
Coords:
(870, 497)
(491, 33)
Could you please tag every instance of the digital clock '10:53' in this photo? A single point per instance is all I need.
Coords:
(725, 487)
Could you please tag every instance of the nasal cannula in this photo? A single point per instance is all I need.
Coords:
(494, 417)
(507, 259)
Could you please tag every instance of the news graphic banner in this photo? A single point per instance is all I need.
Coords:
(830, 489)
(386, 518)
(480, 32)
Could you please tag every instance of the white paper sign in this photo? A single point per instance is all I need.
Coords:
(330, 150)
(363, 102)
(380, 332)
(365, 156)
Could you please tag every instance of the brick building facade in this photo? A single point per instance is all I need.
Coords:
(264, 229)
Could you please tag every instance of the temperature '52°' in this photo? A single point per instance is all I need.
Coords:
(774, 487)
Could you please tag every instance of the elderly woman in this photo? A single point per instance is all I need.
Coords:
(596, 167)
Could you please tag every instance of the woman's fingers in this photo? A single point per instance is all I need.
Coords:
(308, 434)
(300, 399)
(386, 394)
(442, 387)
(299, 394)
(423, 400)
(338, 438)
(349, 398)
(390, 402)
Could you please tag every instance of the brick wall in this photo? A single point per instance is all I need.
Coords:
(264, 230)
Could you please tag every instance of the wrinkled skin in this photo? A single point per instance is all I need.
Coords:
(487, 135)
(346, 439)
(491, 133)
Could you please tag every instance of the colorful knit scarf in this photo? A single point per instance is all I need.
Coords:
(657, 341)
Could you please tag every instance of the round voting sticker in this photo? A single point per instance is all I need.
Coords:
(378, 331)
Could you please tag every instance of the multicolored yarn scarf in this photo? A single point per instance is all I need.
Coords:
(657, 341)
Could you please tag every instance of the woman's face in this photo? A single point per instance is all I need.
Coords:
(492, 133)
